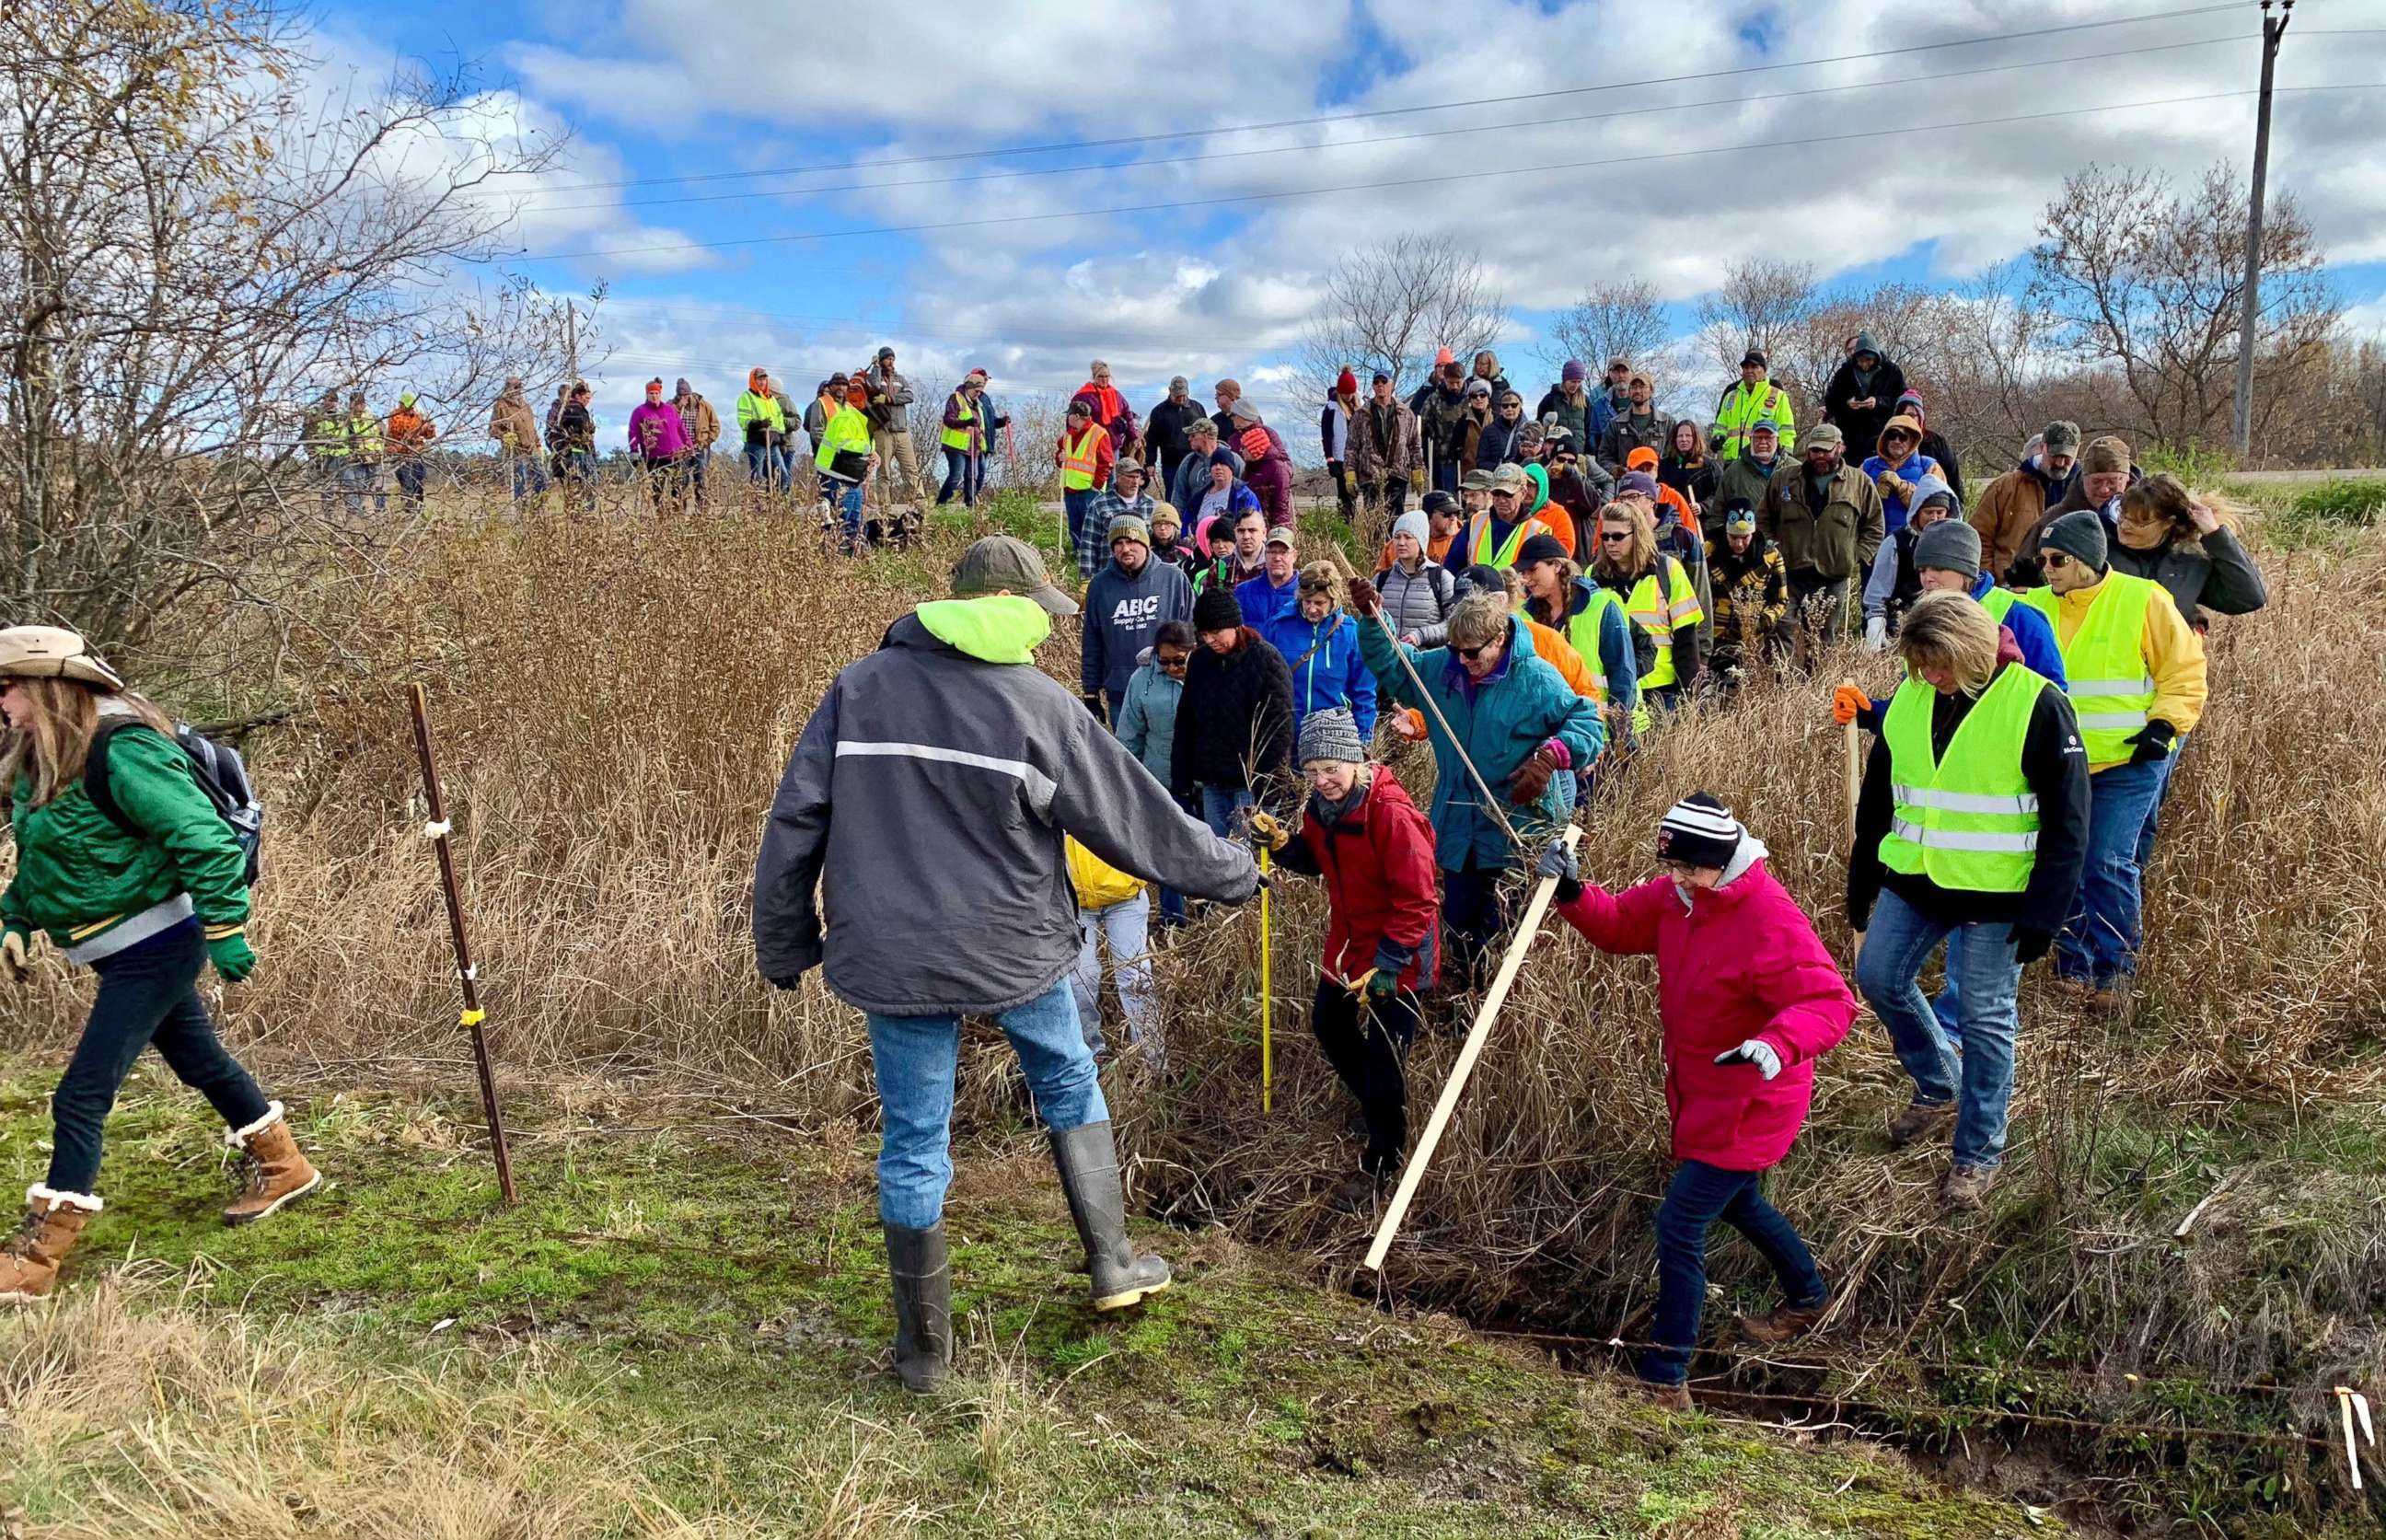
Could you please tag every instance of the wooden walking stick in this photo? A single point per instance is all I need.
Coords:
(1267, 996)
(1852, 736)
(1473, 1049)
(473, 1015)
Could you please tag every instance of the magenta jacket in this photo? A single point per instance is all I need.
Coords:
(1740, 961)
(657, 433)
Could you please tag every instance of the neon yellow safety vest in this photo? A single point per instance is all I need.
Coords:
(1582, 631)
(331, 439)
(958, 437)
(1478, 542)
(1079, 461)
(2106, 662)
(1680, 609)
(1741, 410)
(364, 435)
(1998, 601)
(1969, 822)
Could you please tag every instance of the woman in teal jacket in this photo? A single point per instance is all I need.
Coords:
(1516, 720)
(145, 899)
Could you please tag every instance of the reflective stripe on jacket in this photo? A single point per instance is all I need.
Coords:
(2110, 683)
(1969, 821)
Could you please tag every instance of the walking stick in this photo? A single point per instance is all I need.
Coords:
(1267, 996)
(1855, 779)
(473, 1015)
(1475, 1036)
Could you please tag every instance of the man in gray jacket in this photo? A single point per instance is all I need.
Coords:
(923, 811)
(1124, 607)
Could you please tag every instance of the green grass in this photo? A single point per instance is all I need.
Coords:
(709, 1309)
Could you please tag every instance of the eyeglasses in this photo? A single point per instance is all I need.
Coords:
(1472, 654)
(1614, 537)
(1173, 665)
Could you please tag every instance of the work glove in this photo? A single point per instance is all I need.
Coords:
(1877, 633)
(1532, 778)
(1891, 485)
(1848, 703)
(1266, 831)
(2032, 944)
(13, 956)
(1561, 863)
(1365, 603)
(789, 981)
(1093, 699)
(2152, 742)
(1376, 985)
(231, 956)
(1754, 1051)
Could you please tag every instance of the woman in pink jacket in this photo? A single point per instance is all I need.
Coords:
(1750, 1000)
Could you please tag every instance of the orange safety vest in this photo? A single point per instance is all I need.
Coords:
(1079, 461)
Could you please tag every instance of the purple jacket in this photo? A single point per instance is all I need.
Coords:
(657, 433)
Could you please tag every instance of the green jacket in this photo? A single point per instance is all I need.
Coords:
(97, 889)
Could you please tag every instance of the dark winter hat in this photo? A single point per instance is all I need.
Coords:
(2062, 438)
(1439, 501)
(885, 353)
(2079, 535)
(1216, 610)
(1331, 734)
(1126, 526)
(1541, 547)
(2107, 453)
(1572, 371)
(1700, 831)
(1002, 561)
(1950, 545)
(1222, 457)
(1754, 356)
(1485, 578)
(1639, 482)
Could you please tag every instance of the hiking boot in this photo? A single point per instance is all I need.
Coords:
(1088, 1160)
(278, 1174)
(1361, 1193)
(2072, 987)
(1920, 1120)
(917, 1263)
(1664, 1397)
(2110, 999)
(1786, 1324)
(1967, 1187)
(29, 1258)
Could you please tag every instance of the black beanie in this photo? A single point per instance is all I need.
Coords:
(1700, 831)
(2079, 534)
(1216, 610)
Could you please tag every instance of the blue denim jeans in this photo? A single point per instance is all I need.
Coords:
(1076, 503)
(847, 497)
(767, 463)
(1984, 982)
(1699, 1195)
(529, 477)
(1219, 805)
(2153, 814)
(964, 473)
(914, 1057)
(2100, 943)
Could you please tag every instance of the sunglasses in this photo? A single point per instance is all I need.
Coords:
(2055, 559)
(1471, 654)
(1175, 665)
(1614, 537)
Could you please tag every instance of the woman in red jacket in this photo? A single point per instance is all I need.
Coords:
(1374, 849)
(1749, 1000)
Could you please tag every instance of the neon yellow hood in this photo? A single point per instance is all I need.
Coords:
(1000, 627)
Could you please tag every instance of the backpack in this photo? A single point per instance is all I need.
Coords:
(218, 769)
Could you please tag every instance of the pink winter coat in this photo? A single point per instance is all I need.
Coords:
(1740, 961)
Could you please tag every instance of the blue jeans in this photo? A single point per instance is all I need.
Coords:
(914, 1057)
(1076, 502)
(411, 475)
(1984, 982)
(765, 463)
(529, 477)
(1219, 805)
(2153, 814)
(2100, 943)
(146, 998)
(847, 497)
(355, 482)
(1125, 928)
(963, 472)
(1699, 1195)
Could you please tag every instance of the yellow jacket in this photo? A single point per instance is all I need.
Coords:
(2174, 657)
(1098, 883)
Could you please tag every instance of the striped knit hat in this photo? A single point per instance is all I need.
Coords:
(1700, 831)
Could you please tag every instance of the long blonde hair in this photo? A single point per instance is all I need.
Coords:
(49, 750)
(1639, 553)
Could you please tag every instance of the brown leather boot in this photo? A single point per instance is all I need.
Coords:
(29, 1258)
(277, 1175)
(1785, 1324)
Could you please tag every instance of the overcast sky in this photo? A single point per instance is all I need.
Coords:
(700, 284)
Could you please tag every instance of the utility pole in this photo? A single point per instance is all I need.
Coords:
(2273, 31)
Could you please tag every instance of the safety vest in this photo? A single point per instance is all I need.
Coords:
(363, 435)
(1661, 615)
(1478, 542)
(1969, 822)
(1081, 460)
(1582, 631)
(1741, 410)
(1997, 602)
(329, 438)
(958, 436)
(2106, 662)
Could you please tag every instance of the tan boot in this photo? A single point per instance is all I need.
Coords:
(277, 1173)
(29, 1258)
(1919, 1121)
(1785, 1324)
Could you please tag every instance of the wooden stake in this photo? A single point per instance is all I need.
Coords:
(1467, 1054)
(1267, 998)
(1853, 736)
(473, 1015)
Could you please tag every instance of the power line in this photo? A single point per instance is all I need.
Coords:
(1404, 183)
(1383, 139)
(2032, 33)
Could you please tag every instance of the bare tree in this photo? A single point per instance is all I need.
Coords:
(1761, 304)
(1392, 305)
(196, 244)
(1988, 391)
(1610, 321)
(2148, 283)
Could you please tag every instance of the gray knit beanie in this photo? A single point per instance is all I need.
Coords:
(2079, 534)
(1332, 734)
(1950, 545)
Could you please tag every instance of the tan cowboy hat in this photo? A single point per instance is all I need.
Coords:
(53, 652)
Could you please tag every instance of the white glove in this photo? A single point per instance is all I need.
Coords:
(1877, 633)
(1754, 1051)
(13, 959)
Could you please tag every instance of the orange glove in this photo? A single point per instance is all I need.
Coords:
(1409, 723)
(1848, 703)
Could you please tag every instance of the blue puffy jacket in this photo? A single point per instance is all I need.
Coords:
(1327, 669)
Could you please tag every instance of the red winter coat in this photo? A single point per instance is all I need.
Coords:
(1739, 961)
(1380, 881)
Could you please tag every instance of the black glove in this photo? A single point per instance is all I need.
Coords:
(2153, 742)
(791, 982)
(1093, 699)
(2032, 944)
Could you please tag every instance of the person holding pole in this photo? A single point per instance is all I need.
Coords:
(1374, 849)
(1504, 724)
(1750, 999)
(923, 815)
(132, 871)
(1971, 828)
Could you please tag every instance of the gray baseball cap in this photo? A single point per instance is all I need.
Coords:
(1000, 562)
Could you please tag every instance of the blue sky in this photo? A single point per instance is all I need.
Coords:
(654, 89)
